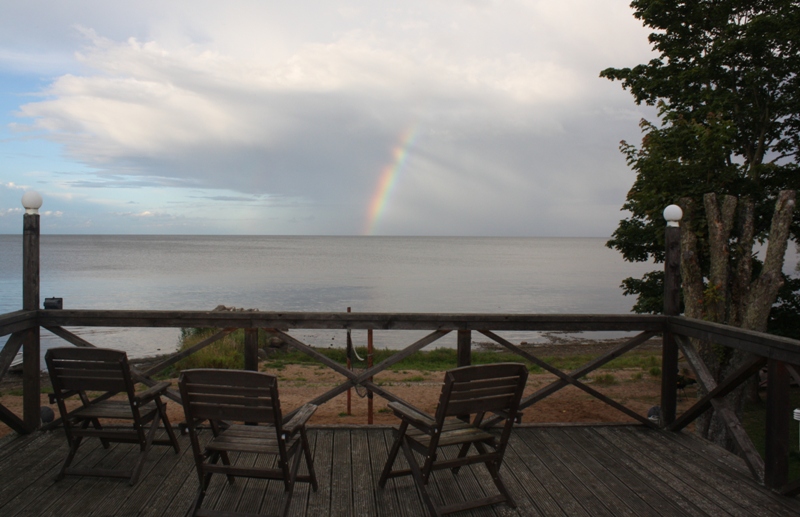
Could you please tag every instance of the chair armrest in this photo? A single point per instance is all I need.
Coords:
(150, 393)
(412, 416)
(299, 419)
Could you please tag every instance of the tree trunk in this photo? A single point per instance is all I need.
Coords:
(735, 300)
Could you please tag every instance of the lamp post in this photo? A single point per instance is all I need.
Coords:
(672, 307)
(31, 367)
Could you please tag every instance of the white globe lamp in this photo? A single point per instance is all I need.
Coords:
(673, 214)
(32, 201)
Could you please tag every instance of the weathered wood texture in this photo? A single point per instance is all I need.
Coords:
(352, 320)
(764, 345)
(16, 321)
(613, 470)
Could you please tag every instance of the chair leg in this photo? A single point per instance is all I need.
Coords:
(96, 425)
(416, 473)
(73, 448)
(494, 470)
(162, 411)
(462, 453)
(198, 501)
(151, 433)
(290, 485)
(387, 469)
(309, 460)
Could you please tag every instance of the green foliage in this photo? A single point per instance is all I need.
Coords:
(655, 371)
(727, 88)
(224, 353)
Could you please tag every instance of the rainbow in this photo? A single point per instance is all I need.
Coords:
(388, 179)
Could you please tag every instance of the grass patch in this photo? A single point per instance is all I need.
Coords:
(605, 379)
(655, 371)
(414, 378)
(227, 353)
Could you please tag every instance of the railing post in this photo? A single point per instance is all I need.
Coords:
(464, 351)
(31, 366)
(672, 307)
(251, 349)
(776, 444)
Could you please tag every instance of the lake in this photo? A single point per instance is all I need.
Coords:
(370, 274)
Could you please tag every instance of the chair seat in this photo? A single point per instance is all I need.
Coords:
(248, 438)
(454, 432)
(116, 409)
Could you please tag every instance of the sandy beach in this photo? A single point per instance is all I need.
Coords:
(632, 387)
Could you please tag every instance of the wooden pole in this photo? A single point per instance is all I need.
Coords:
(251, 349)
(31, 366)
(349, 367)
(370, 349)
(776, 446)
(464, 348)
(672, 307)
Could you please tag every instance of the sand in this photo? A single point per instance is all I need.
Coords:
(633, 388)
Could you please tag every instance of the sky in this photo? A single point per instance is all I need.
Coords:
(355, 117)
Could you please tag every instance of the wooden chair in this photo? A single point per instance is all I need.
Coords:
(82, 371)
(467, 391)
(236, 403)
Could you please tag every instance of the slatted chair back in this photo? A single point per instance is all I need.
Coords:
(467, 395)
(221, 395)
(88, 369)
(236, 403)
(480, 389)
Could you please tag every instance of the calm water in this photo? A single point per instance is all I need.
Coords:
(381, 274)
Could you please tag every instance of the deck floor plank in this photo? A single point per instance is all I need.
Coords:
(734, 485)
(630, 462)
(571, 493)
(341, 476)
(626, 484)
(407, 495)
(67, 492)
(363, 489)
(386, 503)
(597, 482)
(319, 502)
(674, 477)
(179, 473)
(536, 458)
(550, 471)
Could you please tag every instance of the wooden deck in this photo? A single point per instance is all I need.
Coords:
(558, 470)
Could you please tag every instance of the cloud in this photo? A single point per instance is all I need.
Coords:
(505, 98)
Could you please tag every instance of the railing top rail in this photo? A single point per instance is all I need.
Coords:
(759, 343)
(15, 321)
(350, 320)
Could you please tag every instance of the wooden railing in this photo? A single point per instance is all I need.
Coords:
(780, 355)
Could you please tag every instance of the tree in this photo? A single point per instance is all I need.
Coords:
(726, 83)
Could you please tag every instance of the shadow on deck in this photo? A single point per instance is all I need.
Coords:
(558, 470)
